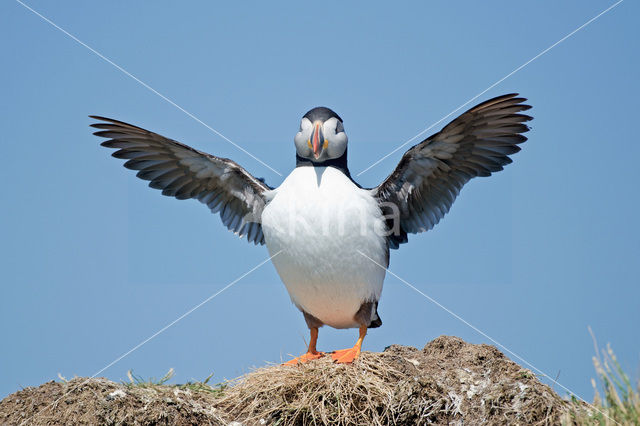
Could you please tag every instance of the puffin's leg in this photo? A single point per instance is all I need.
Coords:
(347, 356)
(312, 353)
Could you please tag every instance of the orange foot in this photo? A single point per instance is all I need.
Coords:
(346, 356)
(309, 356)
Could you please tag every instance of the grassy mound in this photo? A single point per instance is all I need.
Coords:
(449, 381)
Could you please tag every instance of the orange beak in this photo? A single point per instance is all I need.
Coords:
(316, 140)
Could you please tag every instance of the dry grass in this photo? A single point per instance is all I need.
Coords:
(621, 402)
(447, 382)
(319, 392)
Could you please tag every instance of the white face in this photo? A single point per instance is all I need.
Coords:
(329, 139)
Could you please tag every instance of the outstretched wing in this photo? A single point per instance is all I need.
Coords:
(183, 172)
(430, 175)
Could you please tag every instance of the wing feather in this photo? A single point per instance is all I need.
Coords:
(183, 172)
(431, 174)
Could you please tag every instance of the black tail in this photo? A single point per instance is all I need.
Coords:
(376, 322)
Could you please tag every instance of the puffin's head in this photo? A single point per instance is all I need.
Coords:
(321, 136)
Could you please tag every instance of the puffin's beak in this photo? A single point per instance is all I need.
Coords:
(317, 139)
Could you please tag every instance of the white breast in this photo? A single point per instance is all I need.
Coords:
(318, 220)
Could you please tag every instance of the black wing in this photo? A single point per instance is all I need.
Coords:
(431, 174)
(183, 172)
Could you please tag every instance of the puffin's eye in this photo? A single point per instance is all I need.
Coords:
(339, 128)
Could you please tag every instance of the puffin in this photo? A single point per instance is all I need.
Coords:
(329, 238)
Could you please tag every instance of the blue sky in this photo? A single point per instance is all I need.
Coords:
(93, 262)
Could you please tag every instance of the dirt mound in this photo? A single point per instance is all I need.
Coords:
(101, 401)
(449, 381)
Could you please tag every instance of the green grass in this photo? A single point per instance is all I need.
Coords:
(621, 401)
(617, 402)
(204, 386)
(216, 389)
(137, 381)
